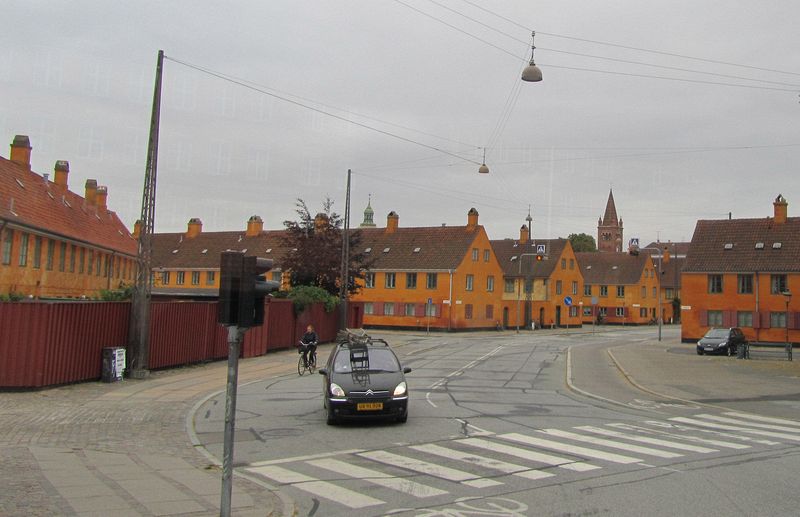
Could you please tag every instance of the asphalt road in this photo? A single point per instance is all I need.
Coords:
(530, 424)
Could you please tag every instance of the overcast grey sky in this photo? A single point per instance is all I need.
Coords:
(78, 79)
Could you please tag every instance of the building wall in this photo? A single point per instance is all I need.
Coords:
(698, 301)
(60, 274)
(632, 303)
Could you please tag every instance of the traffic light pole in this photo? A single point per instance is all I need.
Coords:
(234, 346)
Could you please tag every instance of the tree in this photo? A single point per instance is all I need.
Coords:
(315, 242)
(582, 242)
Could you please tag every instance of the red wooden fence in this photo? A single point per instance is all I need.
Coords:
(51, 343)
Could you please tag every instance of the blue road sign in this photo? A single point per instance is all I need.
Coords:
(430, 301)
(568, 300)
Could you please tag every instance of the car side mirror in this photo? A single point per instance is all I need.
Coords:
(406, 370)
(323, 371)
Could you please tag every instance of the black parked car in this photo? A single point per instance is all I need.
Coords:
(364, 379)
(719, 341)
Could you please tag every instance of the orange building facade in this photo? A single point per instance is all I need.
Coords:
(53, 242)
(744, 273)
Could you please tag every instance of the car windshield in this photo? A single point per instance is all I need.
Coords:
(717, 333)
(380, 360)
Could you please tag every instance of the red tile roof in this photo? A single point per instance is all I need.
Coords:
(30, 201)
(780, 251)
(610, 268)
(176, 251)
(507, 249)
(418, 248)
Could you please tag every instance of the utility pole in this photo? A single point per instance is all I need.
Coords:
(139, 331)
(345, 272)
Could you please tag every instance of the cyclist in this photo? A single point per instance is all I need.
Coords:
(309, 344)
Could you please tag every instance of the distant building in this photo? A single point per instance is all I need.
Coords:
(739, 273)
(53, 242)
(369, 215)
(672, 257)
(609, 228)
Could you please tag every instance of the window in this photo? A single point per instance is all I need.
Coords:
(90, 266)
(620, 291)
(475, 254)
(468, 311)
(602, 311)
(603, 290)
(388, 309)
(486, 255)
(430, 310)
(369, 308)
(572, 263)
(655, 292)
(165, 278)
(277, 276)
(470, 281)
(410, 309)
(195, 277)
(390, 280)
(62, 257)
(744, 284)
(210, 277)
(490, 312)
(411, 280)
(509, 285)
(529, 285)
(124, 268)
(72, 250)
(669, 293)
(714, 284)
(643, 312)
(620, 312)
(369, 280)
(23, 250)
(82, 260)
(714, 318)
(574, 287)
(490, 283)
(7, 242)
(587, 289)
(563, 263)
(777, 319)
(430, 281)
(99, 264)
(37, 252)
(744, 319)
(51, 251)
(587, 311)
(573, 311)
(558, 286)
(180, 277)
(777, 284)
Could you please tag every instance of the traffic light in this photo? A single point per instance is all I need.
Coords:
(242, 289)
(539, 258)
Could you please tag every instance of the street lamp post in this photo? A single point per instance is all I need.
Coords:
(660, 318)
(788, 296)
(345, 272)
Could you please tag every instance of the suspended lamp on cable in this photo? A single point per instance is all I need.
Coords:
(483, 169)
(532, 73)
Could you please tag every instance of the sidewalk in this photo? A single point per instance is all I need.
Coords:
(122, 449)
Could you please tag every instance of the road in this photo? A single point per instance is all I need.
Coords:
(523, 424)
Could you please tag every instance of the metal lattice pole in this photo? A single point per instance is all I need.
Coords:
(140, 307)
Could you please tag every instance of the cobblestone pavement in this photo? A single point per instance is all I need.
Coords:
(123, 448)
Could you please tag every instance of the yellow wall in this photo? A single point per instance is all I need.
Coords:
(632, 300)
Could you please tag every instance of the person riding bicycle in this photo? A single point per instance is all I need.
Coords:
(309, 343)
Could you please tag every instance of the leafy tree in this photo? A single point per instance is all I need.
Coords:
(315, 242)
(124, 292)
(582, 242)
(304, 295)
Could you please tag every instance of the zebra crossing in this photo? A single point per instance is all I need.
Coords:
(359, 478)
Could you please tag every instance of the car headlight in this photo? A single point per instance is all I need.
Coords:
(400, 390)
(336, 390)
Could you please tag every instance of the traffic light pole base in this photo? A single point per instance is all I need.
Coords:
(234, 345)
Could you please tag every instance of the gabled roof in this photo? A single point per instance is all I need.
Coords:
(676, 249)
(611, 268)
(508, 253)
(29, 200)
(438, 248)
(176, 251)
(610, 216)
(708, 253)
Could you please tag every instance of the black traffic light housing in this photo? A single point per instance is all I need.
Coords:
(242, 289)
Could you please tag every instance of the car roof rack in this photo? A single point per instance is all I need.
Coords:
(353, 339)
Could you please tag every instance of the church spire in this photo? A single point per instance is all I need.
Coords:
(609, 228)
(369, 214)
(610, 217)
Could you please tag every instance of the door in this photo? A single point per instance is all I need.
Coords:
(541, 317)
(558, 315)
(505, 317)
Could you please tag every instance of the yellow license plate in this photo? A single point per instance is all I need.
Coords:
(369, 406)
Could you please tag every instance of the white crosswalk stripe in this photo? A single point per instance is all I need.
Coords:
(771, 427)
(759, 418)
(725, 427)
(570, 449)
(431, 469)
(527, 454)
(317, 488)
(645, 439)
(695, 439)
(403, 485)
(482, 461)
(648, 451)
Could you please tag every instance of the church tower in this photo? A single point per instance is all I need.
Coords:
(369, 214)
(609, 228)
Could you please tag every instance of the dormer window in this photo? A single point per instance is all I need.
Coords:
(728, 245)
(776, 245)
(613, 267)
(204, 251)
(269, 250)
(759, 245)
(416, 250)
(368, 250)
(589, 267)
(386, 250)
(175, 251)
(244, 250)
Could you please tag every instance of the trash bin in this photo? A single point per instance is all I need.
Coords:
(113, 363)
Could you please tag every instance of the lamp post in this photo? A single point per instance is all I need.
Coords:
(660, 254)
(788, 297)
(519, 287)
(345, 271)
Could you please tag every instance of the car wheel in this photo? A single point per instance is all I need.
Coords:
(699, 352)
(330, 417)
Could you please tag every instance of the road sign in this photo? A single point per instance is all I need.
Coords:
(540, 249)
(594, 300)
(430, 301)
(567, 301)
(634, 242)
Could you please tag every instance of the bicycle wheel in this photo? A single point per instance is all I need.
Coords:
(312, 362)
(301, 368)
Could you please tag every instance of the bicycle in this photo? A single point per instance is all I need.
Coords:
(312, 360)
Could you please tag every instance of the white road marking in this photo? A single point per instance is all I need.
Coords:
(529, 455)
(428, 468)
(428, 398)
(302, 458)
(646, 439)
(479, 431)
(734, 421)
(570, 449)
(696, 439)
(610, 443)
(317, 488)
(760, 418)
(482, 461)
(694, 421)
(403, 485)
